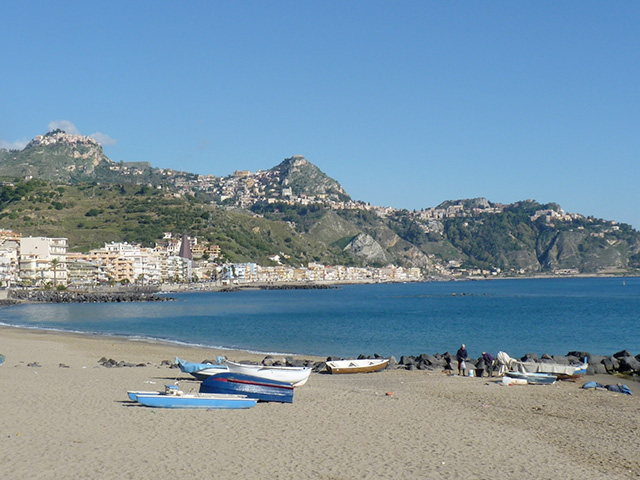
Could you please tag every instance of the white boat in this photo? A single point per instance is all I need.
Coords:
(297, 376)
(532, 378)
(562, 372)
(357, 366)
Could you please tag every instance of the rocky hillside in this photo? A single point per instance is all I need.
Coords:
(296, 211)
(303, 177)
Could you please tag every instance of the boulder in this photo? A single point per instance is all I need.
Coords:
(530, 357)
(629, 365)
(611, 364)
(622, 353)
(407, 360)
(393, 363)
(319, 366)
(580, 355)
(561, 360)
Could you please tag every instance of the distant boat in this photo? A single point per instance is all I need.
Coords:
(296, 376)
(532, 378)
(172, 397)
(263, 389)
(357, 366)
(200, 371)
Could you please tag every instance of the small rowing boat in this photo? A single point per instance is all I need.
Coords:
(357, 366)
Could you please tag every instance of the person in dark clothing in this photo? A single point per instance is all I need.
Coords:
(488, 363)
(462, 356)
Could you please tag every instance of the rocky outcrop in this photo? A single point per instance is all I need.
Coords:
(364, 246)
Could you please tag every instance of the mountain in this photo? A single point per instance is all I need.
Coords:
(304, 178)
(296, 211)
(57, 157)
(61, 157)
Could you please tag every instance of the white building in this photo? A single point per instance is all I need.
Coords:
(43, 260)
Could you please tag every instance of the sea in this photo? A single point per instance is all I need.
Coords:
(554, 316)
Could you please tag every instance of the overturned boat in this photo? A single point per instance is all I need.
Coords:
(262, 389)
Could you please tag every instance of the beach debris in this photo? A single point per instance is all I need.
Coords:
(617, 388)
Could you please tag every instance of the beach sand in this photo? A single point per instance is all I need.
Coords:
(75, 421)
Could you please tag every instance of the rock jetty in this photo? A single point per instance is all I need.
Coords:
(54, 296)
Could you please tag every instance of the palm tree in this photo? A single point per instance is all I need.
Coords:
(55, 263)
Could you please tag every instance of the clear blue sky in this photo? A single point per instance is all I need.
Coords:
(406, 104)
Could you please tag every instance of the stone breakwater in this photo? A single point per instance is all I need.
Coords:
(622, 362)
(53, 296)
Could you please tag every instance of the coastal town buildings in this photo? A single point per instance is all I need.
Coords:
(41, 261)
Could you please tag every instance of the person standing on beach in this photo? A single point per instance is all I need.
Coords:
(462, 356)
(488, 363)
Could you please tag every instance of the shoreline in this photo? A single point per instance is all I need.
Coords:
(257, 356)
(69, 417)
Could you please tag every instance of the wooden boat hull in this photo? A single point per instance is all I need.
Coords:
(296, 376)
(262, 389)
(160, 400)
(357, 366)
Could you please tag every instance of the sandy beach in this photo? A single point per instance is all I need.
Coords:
(63, 415)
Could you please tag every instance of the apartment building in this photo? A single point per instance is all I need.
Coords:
(43, 260)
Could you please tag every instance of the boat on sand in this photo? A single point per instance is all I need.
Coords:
(562, 372)
(200, 371)
(173, 397)
(263, 389)
(532, 378)
(296, 376)
(365, 365)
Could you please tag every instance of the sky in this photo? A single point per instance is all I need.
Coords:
(405, 103)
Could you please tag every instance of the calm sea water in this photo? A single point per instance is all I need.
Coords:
(555, 316)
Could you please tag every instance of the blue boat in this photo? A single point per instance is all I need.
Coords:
(201, 371)
(173, 397)
(259, 388)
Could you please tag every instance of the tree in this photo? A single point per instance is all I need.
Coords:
(55, 263)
